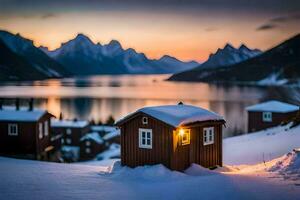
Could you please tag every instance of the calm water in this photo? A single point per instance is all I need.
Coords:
(98, 97)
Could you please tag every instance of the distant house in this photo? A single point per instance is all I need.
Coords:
(25, 133)
(172, 135)
(90, 145)
(268, 114)
(103, 129)
(112, 137)
(72, 130)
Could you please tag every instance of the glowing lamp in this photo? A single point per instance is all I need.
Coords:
(181, 132)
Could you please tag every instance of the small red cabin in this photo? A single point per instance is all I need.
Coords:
(90, 145)
(25, 133)
(269, 114)
(173, 135)
(71, 130)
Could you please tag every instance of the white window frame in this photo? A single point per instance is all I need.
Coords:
(46, 128)
(87, 150)
(145, 120)
(143, 141)
(69, 131)
(267, 116)
(208, 135)
(68, 140)
(13, 127)
(40, 130)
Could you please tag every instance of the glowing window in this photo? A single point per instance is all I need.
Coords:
(185, 135)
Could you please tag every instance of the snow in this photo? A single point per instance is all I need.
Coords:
(177, 115)
(260, 146)
(103, 128)
(112, 134)
(68, 123)
(289, 163)
(273, 106)
(93, 136)
(24, 115)
(24, 179)
(112, 152)
(71, 152)
(272, 79)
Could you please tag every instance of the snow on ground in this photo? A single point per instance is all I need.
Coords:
(23, 179)
(112, 152)
(255, 175)
(260, 146)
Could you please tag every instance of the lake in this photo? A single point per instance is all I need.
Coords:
(98, 97)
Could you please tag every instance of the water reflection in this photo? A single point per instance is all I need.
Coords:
(101, 96)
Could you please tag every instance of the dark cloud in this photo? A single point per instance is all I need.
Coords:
(266, 27)
(282, 19)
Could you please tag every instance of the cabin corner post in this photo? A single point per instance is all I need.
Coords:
(221, 145)
(173, 161)
(122, 149)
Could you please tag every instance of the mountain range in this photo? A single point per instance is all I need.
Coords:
(26, 54)
(83, 57)
(229, 55)
(278, 65)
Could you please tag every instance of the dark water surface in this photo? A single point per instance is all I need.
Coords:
(98, 97)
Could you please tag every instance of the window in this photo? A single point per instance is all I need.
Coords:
(40, 130)
(267, 116)
(145, 138)
(88, 143)
(185, 136)
(69, 131)
(62, 140)
(87, 150)
(13, 129)
(68, 141)
(46, 128)
(145, 120)
(208, 135)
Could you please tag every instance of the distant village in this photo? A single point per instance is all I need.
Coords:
(30, 133)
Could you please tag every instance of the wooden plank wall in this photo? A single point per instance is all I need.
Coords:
(255, 122)
(132, 155)
(196, 152)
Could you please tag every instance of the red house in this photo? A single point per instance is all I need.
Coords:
(90, 145)
(72, 130)
(25, 133)
(173, 135)
(268, 114)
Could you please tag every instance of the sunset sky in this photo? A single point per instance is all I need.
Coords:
(186, 29)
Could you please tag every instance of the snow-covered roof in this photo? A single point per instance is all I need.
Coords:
(177, 115)
(68, 123)
(103, 128)
(23, 114)
(273, 106)
(112, 134)
(93, 136)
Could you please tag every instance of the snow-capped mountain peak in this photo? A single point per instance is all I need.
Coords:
(230, 55)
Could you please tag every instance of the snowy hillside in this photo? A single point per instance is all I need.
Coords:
(81, 56)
